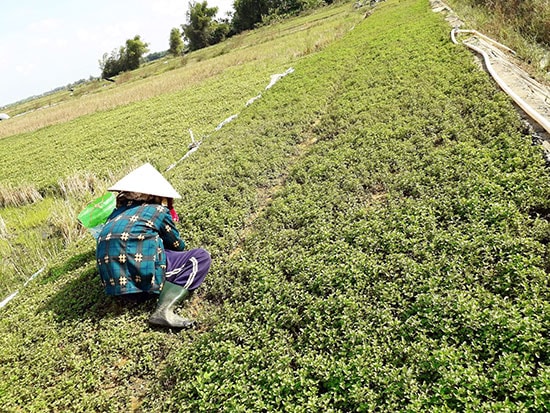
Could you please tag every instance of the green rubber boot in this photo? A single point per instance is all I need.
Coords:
(164, 315)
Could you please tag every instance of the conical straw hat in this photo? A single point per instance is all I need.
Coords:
(146, 180)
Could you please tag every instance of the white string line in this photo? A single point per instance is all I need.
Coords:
(195, 144)
(12, 295)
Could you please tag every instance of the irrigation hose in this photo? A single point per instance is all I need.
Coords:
(536, 116)
(478, 34)
(12, 295)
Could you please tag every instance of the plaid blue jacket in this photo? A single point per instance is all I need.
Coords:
(130, 248)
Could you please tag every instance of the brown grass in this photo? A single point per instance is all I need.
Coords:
(531, 18)
(80, 184)
(16, 196)
(3, 229)
(63, 221)
(524, 26)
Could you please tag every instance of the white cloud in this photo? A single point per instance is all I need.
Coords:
(167, 8)
(25, 69)
(45, 26)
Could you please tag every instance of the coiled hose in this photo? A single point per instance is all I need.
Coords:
(536, 116)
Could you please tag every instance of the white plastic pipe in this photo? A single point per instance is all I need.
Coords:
(12, 295)
(478, 34)
(536, 116)
(8, 299)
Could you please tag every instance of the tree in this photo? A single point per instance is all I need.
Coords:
(196, 31)
(202, 30)
(248, 13)
(218, 32)
(111, 65)
(135, 49)
(155, 56)
(176, 43)
(125, 58)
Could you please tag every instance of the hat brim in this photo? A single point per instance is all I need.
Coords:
(146, 180)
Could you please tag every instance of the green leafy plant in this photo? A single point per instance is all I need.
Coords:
(379, 232)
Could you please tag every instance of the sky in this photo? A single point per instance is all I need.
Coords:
(48, 44)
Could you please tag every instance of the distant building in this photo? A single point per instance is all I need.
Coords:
(4, 116)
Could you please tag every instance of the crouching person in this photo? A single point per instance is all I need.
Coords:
(140, 252)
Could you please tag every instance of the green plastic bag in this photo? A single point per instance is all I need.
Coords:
(97, 211)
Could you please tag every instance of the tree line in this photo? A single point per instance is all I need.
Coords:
(204, 29)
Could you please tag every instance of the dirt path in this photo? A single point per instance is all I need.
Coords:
(503, 62)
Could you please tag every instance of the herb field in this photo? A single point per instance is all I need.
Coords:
(215, 83)
(378, 222)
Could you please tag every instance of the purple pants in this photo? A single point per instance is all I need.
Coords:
(187, 268)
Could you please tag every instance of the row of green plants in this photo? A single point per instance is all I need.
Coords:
(378, 224)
